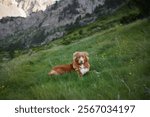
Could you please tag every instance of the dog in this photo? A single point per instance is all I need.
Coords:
(61, 69)
(80, 64)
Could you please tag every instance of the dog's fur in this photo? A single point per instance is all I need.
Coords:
(80, 64)
(61, 69)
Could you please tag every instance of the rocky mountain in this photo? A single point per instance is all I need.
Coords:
(9, 8)
(22, 7)
(30, 6)
(42, 27)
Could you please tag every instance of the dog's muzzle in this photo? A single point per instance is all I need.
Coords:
(81, 60)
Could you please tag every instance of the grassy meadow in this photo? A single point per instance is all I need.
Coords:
(119, 58)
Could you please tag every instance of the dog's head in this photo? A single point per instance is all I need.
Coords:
(80, 57)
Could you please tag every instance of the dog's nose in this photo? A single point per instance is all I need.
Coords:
(81, 62)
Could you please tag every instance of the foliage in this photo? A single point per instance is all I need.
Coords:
(80, 32)
(130, 18)
(144, 6)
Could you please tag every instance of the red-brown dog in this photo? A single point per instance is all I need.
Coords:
(61, 69)
(80, 64)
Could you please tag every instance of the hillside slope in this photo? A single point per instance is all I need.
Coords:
(120, 64)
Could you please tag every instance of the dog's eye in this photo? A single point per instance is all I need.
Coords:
(78, 57)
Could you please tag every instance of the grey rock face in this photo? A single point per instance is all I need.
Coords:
(30, 6)
(42, 27)
(22, 7)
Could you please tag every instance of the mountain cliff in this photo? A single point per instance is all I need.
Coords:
(42, 27)
(9, 8)
(22, 7)
(30, 6)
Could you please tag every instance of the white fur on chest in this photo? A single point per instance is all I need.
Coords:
(83, 70)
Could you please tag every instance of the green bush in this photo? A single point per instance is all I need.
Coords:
(130, 18)
(144, 6)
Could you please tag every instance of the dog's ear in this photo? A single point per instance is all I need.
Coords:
(86, 54)
(74, 55)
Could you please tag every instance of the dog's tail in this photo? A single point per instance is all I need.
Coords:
(52, 72)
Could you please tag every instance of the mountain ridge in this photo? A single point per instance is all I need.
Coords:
(22, 8)
(52, 23)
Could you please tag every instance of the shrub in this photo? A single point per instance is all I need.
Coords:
(66, 41)
(80, 32)
(130, 18)
(144, 6)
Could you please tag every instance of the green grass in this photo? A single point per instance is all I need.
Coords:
(120, 64)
